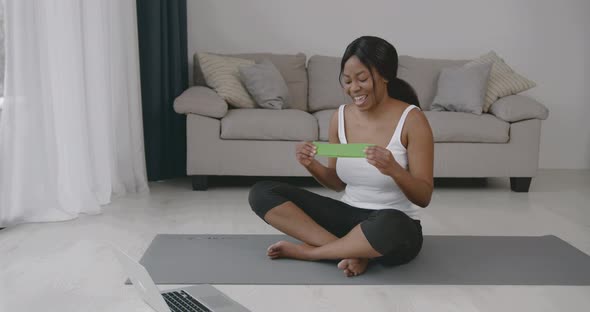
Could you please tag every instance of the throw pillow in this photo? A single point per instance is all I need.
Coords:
(222, 74)
(503, 80)
(515, 108)
(462, 89)
(266, 84)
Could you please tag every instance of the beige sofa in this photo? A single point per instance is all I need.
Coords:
(260, 142)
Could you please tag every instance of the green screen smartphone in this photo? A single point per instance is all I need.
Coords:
(354, 150)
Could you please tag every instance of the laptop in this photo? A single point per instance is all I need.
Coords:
(201, 298)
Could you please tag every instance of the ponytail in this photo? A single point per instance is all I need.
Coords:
(401, 90)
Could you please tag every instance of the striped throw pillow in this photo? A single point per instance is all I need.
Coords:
(503, 80)
(222, 74)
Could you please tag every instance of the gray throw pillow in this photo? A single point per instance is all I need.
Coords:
(265, 84)
(462, 89)
(515, 108)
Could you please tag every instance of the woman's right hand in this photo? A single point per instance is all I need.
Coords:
(305, 153)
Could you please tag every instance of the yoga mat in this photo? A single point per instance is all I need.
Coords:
(444, 260)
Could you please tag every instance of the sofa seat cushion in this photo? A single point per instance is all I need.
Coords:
(324, 117)
(269, 124)
(466, 127)
(446, 127)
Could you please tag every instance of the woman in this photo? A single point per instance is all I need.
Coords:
(375, 218)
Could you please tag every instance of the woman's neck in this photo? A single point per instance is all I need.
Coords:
(378, 111)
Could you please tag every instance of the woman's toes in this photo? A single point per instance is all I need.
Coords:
(276, 247)
(273, 250)
(353, 267)
(343, 264)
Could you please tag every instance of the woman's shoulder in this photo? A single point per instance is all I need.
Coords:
(400, 107)
(342, 108)
(413, 110)
(416, 121)
(415, 116)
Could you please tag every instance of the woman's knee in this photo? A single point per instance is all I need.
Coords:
(390, 231)
(262, 197)
(258, 192)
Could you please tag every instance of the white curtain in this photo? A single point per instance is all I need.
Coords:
(70, 131)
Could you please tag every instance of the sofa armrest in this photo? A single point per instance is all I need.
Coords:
(515, 108)
(201, 101)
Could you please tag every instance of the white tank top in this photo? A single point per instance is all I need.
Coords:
(366, 186)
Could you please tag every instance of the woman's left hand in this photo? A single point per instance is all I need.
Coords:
(382, 159)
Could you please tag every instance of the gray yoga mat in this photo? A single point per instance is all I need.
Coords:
(444, 260)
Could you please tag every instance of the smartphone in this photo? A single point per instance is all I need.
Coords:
(354, 150)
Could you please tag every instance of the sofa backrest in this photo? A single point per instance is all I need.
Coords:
(325, 91)
(291, 67)
(422, 74)
(317, 87)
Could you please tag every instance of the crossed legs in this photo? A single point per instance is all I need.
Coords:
(319, 244)
(331, 229)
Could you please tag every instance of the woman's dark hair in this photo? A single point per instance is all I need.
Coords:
(381, 55)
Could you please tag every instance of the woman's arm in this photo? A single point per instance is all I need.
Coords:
(327, 175)
(416, 182)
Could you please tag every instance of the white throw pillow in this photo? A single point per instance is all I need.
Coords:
(223, 75)
(503, 80)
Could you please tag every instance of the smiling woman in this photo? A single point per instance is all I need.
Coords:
(376, 218)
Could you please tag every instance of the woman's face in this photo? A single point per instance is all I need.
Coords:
(365, 91)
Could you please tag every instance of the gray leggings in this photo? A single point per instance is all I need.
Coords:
(390, 232)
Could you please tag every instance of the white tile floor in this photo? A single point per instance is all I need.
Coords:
(68, 266)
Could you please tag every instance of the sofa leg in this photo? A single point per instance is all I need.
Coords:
(520, 184)
(200, 182)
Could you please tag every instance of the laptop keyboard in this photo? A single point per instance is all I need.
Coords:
(180, 301)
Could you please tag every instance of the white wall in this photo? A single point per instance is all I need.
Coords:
(545, 40)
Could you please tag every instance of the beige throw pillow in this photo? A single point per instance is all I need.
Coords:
(223, 75)
(503, 80)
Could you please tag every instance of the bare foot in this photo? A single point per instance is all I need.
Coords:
(284, 249)
(353, 266)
